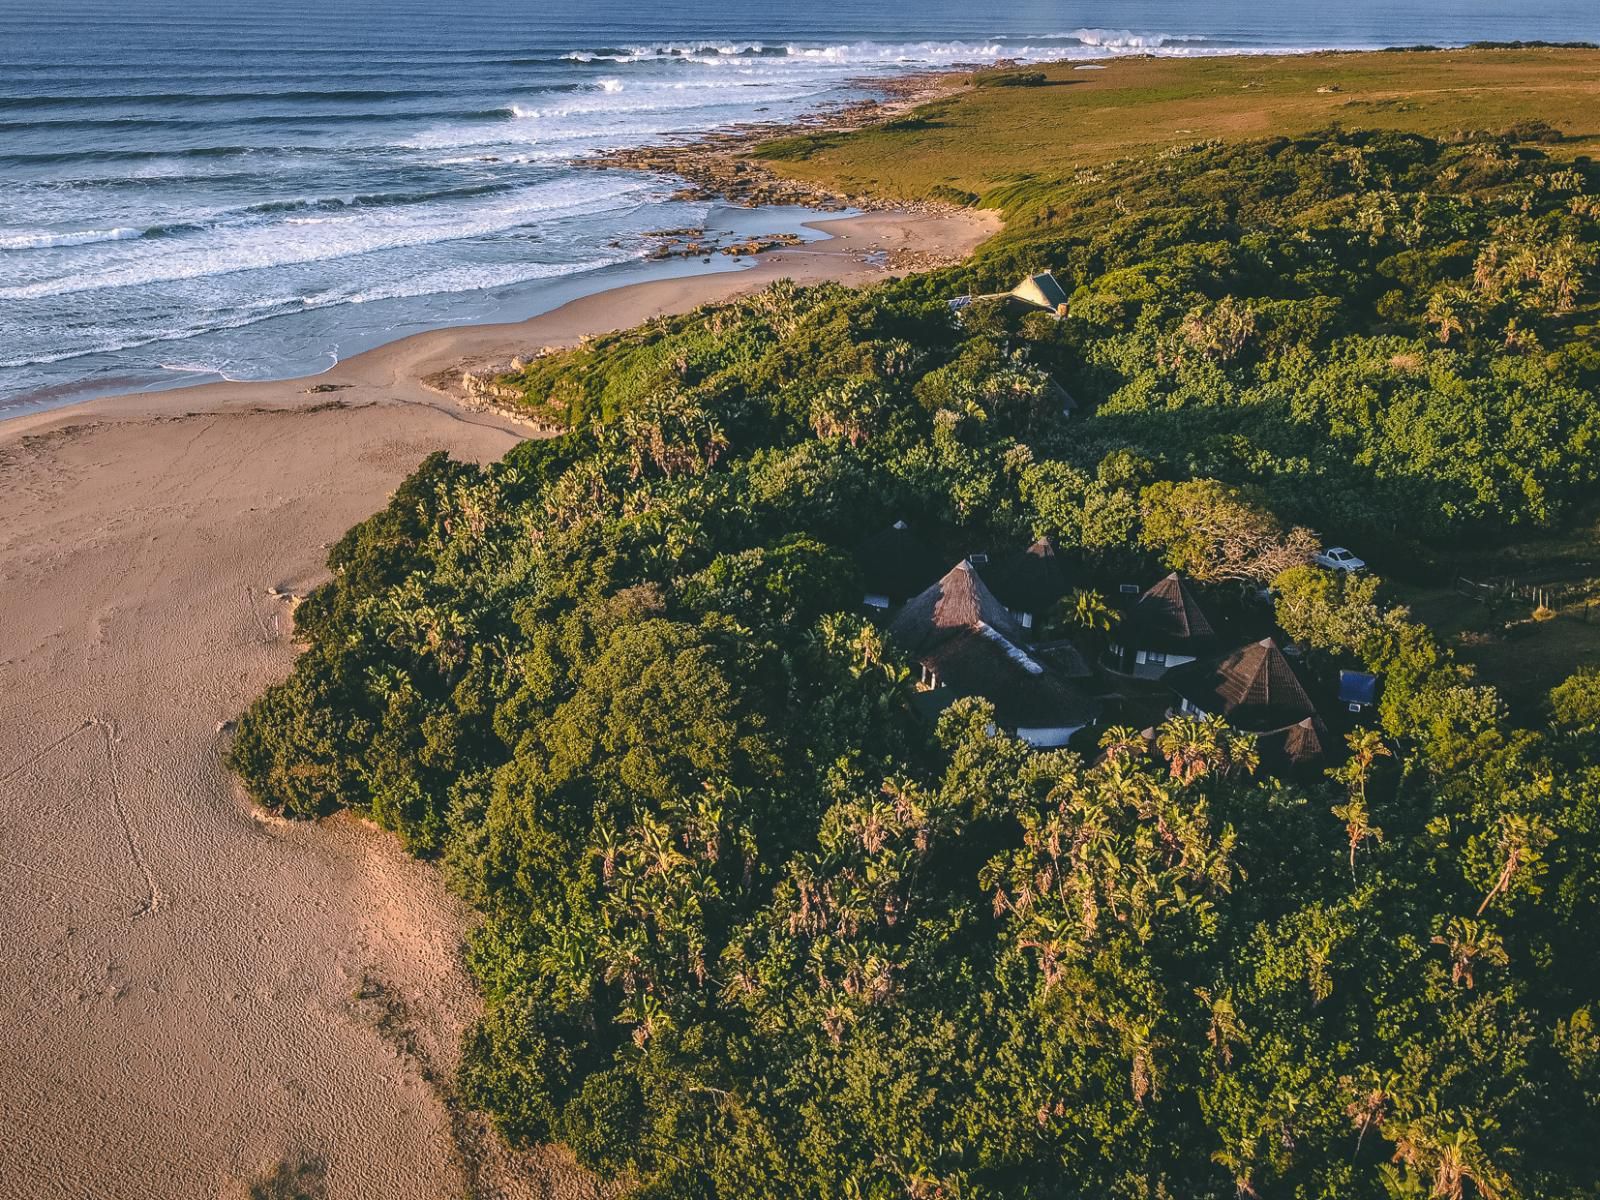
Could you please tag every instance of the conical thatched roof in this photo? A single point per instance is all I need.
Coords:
(1170, 619)
(1303, 747)
(1031, 580)
(959, 601)
(1256, 688)
(897, 563)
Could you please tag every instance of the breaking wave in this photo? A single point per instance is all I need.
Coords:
(206, 193)
(46, 240)
(934, 53)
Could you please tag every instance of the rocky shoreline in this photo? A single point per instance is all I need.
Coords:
(702, 243)
(717, 165)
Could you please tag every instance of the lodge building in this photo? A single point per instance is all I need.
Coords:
(980, 629)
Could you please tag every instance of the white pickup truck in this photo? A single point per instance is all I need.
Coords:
(1337, 558)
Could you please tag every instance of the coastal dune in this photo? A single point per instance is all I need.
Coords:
(202, 998)
(194, 993)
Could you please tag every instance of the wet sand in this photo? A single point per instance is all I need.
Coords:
(195, 995)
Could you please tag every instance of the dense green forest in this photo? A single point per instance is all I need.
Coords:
(752, 928)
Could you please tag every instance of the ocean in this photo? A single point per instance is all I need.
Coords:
(192, 191)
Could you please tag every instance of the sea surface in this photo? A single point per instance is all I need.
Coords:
(197, 189)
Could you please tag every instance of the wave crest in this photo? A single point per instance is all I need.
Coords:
(1126, 39)
(45, 239)
(1035, 47)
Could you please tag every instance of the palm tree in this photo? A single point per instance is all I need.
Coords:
(1468, 940)
(1357, 824)
(850, 410)
(782, 305)
(1519, 842)
(1122, 742)
(1366, 747)
(1243, 753)
(1445, 315)
(1090, 612)
(1519, 338)
(1194, 746)
(1561, 273)
(1451, 1161)
(1225, 1028)
(1372, 1103)
(657, 846)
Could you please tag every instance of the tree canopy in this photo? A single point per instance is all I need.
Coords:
(750, 927)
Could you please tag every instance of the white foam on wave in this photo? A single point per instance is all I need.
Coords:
(448, 281)
(1126, 39)
(44, 239)
(868, 53)
(265, 247)
(136, 343)
(685, 51)
(672, 86)
(463, 278)
(580, 123)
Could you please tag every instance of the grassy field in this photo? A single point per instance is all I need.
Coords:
(978, 137)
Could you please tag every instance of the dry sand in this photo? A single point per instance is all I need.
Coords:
(192, 994)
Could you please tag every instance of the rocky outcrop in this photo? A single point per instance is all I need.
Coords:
(718, 165)
(487, 389)
(482, 388)
(699, 243)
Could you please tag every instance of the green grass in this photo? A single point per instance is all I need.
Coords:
(977, 138)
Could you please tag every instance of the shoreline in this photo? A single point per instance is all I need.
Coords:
(857, 250)
(715, 165)
(694, 162)
(206, 995)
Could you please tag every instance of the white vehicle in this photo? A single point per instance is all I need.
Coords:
(1337, 558)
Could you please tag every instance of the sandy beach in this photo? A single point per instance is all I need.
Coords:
(198, 995)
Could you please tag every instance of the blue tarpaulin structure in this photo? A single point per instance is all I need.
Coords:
(1357, 690)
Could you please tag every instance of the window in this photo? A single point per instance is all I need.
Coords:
(1156, 658)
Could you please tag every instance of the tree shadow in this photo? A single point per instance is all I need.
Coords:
(299, 1175)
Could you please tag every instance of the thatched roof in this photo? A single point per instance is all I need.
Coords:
(1026, 694)
(1031, 580)
(1062, 656)
(1304, 746)
(1256, 688)
(1168, 618)
(959, 601)
(897, 563)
